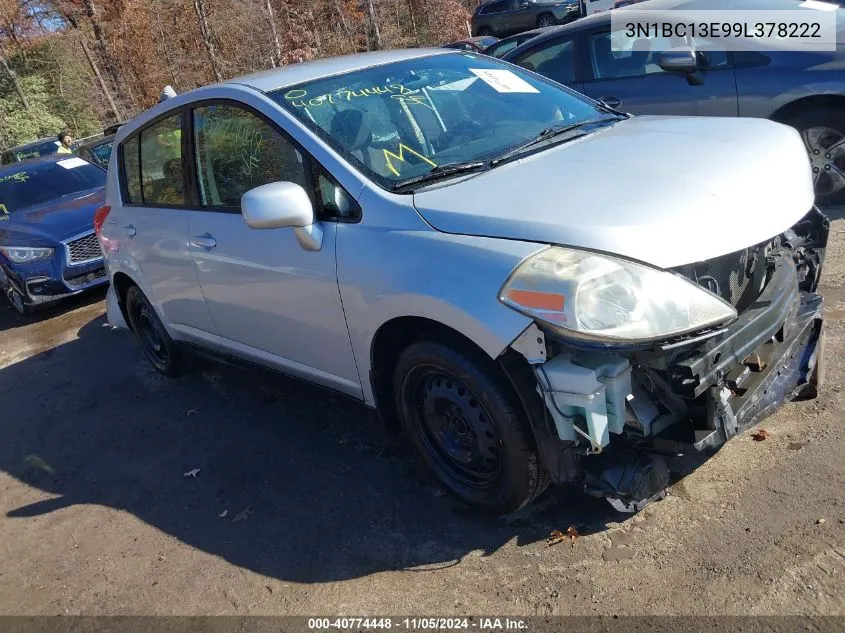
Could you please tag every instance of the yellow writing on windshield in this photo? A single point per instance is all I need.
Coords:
(389, 157)
(299, 98)
(18, 176)
(4, 212)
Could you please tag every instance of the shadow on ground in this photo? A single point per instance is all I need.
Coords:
(10, 320)
(312, 488)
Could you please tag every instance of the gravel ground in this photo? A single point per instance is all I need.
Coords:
(232, 492)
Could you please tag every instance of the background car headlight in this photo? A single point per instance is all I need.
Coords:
(608, 299)
(24, 254)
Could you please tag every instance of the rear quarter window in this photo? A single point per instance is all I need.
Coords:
(131, 171)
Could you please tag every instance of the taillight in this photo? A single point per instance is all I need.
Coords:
(100, 216)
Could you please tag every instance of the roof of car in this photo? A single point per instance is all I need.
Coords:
(531, 33)
(31, 144)
(35, 161)
(97, 141)
(293, 74)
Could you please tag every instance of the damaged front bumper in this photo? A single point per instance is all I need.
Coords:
(610, 419)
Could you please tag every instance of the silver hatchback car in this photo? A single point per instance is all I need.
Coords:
(533, 286)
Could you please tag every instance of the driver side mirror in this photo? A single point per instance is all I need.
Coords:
(681, 60)
(283, 204)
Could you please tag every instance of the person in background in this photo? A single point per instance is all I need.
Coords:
(65, 141)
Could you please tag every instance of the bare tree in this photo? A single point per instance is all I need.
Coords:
(413, 23)
(373, 34)
(166, 48)
(10, 25)
(205, 29)
(14, 77)
(99, 34)
(99, 77)
(344, 24)
(276, 56)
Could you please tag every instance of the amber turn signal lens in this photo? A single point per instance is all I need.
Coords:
(537, 300)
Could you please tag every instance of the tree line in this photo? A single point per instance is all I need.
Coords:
(83, 64)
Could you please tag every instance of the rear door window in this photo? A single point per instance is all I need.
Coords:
(162, 181)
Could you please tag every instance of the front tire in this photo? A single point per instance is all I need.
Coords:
(463, 419)
(152, 337)
(485, 32)
(17, 302)
(823, 132)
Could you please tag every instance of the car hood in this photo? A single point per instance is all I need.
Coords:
(662, 190)
(56, 220)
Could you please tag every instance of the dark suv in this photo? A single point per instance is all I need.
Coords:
(504, 17)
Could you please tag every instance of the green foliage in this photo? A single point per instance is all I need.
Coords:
(17, 125)
(49, 113)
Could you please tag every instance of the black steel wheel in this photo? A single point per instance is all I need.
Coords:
(465, 422)
(456, 430)
(151, 335)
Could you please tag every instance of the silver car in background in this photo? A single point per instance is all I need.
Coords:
(533, 286)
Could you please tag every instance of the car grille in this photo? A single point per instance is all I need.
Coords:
(84, 249)
(737, 277)
(84, 280)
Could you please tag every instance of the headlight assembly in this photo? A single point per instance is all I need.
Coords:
(607, 299)
(25, 254)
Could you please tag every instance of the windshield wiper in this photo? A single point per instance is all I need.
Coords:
(443, 171)
(549, 133)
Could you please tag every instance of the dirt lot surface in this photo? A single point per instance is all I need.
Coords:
(229, 492)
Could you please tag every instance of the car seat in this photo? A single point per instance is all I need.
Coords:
(636, 62)
(560, 68)
(350, 129)
(605, 61)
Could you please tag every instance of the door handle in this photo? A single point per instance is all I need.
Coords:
(611, 102)
(204, 241)
(130, 230)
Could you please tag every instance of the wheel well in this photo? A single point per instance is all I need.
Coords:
(808, 103)
(390, 341)
(551, 15)
(122, 282)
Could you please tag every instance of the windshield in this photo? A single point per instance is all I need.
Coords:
(37, 184)
(42, 149)
(402, 120)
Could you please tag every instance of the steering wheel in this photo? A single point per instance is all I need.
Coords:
(465, 131)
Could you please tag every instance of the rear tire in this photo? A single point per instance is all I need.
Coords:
(545, 20)
(485, 32)
(152, 337)
(465, 422)
(823, 132)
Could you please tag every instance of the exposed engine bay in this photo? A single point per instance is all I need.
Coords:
(611, 417)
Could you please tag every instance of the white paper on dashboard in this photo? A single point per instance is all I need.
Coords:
(503, 80)
(72, 163)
